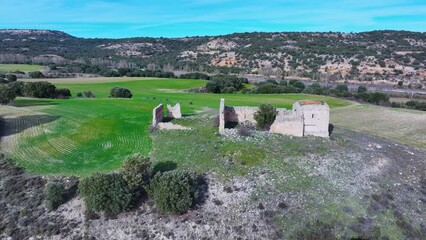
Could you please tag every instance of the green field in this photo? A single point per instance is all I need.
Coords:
(79, 136)
(19, 67)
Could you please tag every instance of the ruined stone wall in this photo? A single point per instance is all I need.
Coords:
(240, 114)
(222, 116)
(316, 118)
(306, 118)
(157, 115)
(287, 123)
(174, 112)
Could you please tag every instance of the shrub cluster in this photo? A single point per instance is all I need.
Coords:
(417, 105)
(283, 86)
(120, 92)
(373, 97)
(62, 93)
(265, 116)
(39, 89)
(195, 75)
(7, 94)
(36, 74)
(173, 191)
(107, 192)
(225, 84)
(87, 94)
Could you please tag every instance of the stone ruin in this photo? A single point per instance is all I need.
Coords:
(157, 115)
(173, 112)
(307, 118)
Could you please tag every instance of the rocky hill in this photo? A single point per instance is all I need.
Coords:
(376, 55)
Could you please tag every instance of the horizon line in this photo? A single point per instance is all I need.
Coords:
(214, 35)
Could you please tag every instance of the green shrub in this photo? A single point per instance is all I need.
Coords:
(265, 116)
(119, 92)
(106, 192)
(297, 84)
(17, 87)
(55, 195)
(7, 94)
(62, 93)
(173, 191)
(89, 94)
(136, 170)
(362, 89)
(39, 89)
(36, 74)
(11, 78)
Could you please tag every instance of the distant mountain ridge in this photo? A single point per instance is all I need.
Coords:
(367, 56)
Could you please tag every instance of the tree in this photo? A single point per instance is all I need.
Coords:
(89, 94)
(400, 83)
(7, 94)
(17, 87)
(36, 74)
(173, 191)
(11, 78)
(265, 116)
(62, 93)
(342, 90)
(39, 89)
(119, 92)
(362, 89)
(107, 192)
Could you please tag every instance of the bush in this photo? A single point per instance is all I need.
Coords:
(222, 83)
(297, 84)
(342, 90)
(119, 92)
(55, 195)
(111, 73)
(36, 74)
(195, 75)
(7, 94)
(62, 93)
(79, 94)
(89, 94)
(136, 171)
(316, 89)
(11, 78)
(39, 89)
(173, 191)
(375, 97)
(268, 88)
(106, 192)
(362, 89)
(17, 87)
(265, 116)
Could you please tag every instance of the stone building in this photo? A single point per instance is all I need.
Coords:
(306, 118)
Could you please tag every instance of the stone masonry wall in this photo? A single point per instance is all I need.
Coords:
(157, 115)
(174, 112)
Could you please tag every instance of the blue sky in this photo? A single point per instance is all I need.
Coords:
(164, 18)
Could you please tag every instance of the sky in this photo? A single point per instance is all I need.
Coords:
(180, 18)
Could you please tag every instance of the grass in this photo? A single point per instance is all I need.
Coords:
(19, 67)
(90, 135)
(401, 125)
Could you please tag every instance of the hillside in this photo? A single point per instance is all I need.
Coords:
(366, 56)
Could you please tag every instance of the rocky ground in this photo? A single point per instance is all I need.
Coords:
(358, 186)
